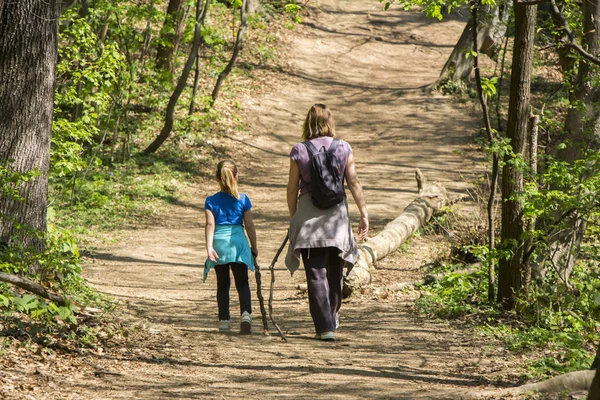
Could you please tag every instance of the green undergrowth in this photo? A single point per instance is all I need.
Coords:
(554, 328)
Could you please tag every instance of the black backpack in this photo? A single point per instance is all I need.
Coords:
(327, 182)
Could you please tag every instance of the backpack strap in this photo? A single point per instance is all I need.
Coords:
(333, 146)
(312, 150)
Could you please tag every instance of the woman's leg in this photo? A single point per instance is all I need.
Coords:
(335, 279)
(315, 266)
(240, 274)
(223, 283)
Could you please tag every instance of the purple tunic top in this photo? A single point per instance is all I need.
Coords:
(300, 156)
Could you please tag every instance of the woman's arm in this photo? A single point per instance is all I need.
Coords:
(292, 188)
(357, 194)
(251, 231)
(210, 234)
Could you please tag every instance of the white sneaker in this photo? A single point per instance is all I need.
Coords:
(326, 336)
(224, 325)
(246, 325)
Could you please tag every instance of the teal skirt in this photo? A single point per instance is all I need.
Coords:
(232, 246)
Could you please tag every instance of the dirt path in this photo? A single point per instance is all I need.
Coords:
(367, 65)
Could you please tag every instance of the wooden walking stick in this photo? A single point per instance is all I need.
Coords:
(272, 269)
(261, 300)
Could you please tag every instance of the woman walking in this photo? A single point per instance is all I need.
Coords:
(322, 236)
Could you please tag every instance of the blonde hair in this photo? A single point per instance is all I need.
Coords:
(226, 175)
(319, 122)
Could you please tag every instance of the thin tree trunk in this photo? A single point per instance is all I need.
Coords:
(197, 72)
(236, 51)
(195, 87)
(169, 35)
(494, 181)
(169, 114)
(28, 56)
(528, 249)
(509, 273)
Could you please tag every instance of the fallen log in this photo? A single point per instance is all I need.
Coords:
(34, 288)
(431, 197)
(577, 382)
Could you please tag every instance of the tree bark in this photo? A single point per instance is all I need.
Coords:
(493, 25)
(495, 158)
(236, 50)
(252, 6)
(580, 124)
(509, 268)
(181, 83)
(28, 56)
(170, 35)
(594, 393)
(431, 197)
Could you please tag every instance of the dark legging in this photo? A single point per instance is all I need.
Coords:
(324, 277)
(240, 274)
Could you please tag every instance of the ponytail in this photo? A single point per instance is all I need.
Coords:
(226, 174)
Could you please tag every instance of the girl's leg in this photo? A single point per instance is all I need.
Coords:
(223, 283)
(335, 280)
(315, 266)
(240, 274)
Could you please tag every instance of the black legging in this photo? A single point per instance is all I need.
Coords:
(240, 274)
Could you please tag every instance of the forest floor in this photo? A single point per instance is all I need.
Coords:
(369, 66)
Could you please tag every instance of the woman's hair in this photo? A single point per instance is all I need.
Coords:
(319, 122)
(226, 174)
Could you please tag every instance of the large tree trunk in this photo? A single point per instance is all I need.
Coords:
(492, 29)
(509, 271)
(580, 132)
(431, 197)
(170, 35)
(28, 55)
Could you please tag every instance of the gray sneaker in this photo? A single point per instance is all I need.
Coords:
(224, 325)
(246, 325)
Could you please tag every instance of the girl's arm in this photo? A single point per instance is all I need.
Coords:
(251, 231)
(357, 194)
(292, 188)
(210, 234)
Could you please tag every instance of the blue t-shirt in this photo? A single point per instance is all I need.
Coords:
(227, 209)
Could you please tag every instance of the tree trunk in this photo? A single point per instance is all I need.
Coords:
(493, 25)
(201, 10)
(580, 122)
(491, 216)
(28, 56)
(594, 393)
(170, 35)
(509, 269)
(252, 6)
(431, 197)
(236, 50)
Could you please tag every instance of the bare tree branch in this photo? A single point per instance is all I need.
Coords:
(33, 287)
(572, 42)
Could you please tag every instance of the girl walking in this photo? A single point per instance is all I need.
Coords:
(227, 214)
